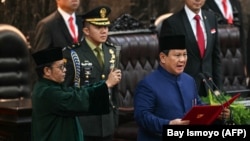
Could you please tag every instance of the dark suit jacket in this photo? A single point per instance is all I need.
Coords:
(237, 11)
(53, 32)
(238, 19)
(211, 63)
(93, 125)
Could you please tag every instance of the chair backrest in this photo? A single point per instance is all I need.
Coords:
(138, 55)
(233, 68)
(159, 20)
(14, 64)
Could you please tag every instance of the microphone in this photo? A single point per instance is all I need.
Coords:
(204, 79)
(221, 92)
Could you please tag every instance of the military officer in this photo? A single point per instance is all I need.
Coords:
(91, 62)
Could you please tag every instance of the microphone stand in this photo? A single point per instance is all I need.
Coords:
(204, 79)
(216, 87)
(221, 93)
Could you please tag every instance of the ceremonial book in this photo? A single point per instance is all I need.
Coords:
(206, 114)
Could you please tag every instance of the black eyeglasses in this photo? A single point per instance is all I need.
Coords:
(61, 67)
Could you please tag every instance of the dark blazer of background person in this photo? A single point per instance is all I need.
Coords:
(236, 7)
(211, 62)
(210, 5)
(53, 31)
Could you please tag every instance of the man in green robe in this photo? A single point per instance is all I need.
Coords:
(55, 107)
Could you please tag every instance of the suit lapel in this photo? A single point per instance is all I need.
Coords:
(208, 32)
(235, 7)
(62, 25)
(191, 36)
(79, 25)
(215, 6)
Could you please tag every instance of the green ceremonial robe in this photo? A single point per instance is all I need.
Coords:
(55, 109)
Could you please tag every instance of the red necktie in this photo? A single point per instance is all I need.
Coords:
(72, 28)
(200, 36)
(227, 15)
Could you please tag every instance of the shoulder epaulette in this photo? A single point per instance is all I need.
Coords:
(76, 45)
(111, 44)
(73, 46)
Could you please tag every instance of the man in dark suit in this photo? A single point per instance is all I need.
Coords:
(183, 22)
(235, 10)
(55, 29)
(91, 62)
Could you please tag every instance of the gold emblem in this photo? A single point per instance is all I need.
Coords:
(103, 13)
(103, 76)
(64, 60)
(199, 116)
(112, 59)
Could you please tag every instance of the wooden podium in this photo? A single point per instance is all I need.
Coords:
(15, 120)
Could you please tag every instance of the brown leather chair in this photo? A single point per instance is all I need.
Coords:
(138, 57)
(159, 20)
(14, 64)
(15, 88)
(233, 67)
